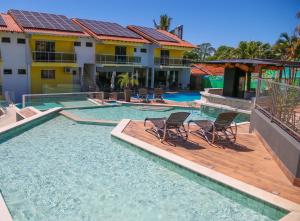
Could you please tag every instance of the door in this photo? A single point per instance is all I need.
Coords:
(45, 50)
(120, 54)
(164, 57)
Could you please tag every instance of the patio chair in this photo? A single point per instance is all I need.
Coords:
(143, 95)
(162, 127)
(222, 127)
(158, 92)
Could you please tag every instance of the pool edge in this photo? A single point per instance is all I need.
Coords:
(291, 207)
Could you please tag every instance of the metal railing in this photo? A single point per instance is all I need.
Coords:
(117, 59)
(281, 103)
(57, 57)
(171, 61)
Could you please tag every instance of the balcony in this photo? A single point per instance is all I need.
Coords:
(117, 59)
(56, 57)
(171, 61)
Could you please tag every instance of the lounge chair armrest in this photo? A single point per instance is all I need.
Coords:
(154, 119)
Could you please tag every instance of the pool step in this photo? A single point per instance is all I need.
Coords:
(88, 120)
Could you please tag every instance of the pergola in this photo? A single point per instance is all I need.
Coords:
(238, 73)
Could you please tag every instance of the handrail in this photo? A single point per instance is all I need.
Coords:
(117, 59)
(165, 61)
(58, 57)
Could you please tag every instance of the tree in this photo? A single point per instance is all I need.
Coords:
(287, 47)
(201, 52)
(126, 82)
(223, 52)
(252, 50)
(164, 22)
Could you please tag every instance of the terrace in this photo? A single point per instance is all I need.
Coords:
(56, 57)
(171, 62)
(118, 59)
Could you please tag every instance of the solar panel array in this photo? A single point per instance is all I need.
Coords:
(153, 33)
(108, 28)
(44, 21)
(2, 22)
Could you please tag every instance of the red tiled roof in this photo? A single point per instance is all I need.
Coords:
(54, 32)
(178, 43)
(112, 38)
(11, 24)
(206, 69)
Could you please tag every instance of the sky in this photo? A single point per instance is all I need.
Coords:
(219, 22)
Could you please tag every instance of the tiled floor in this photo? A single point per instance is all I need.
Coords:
(247, 160)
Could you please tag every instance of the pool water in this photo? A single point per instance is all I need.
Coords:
(61, 170)
(134, 112)
(50, 103)
(182, 96)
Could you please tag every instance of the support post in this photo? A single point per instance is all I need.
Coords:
(147, 77)
(167, 78)
(152, 78)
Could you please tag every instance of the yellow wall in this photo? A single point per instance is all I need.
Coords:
(109, 49)
(60, 78)
(62, 43)
(173, 53)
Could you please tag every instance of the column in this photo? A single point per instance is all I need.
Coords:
(113, 76)
(152, 78)
(167, 78)
(147, 77)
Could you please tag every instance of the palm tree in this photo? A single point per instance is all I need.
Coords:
(253, 49)
(287, 47)
(164, 22)
(126, 82)
(223, 52)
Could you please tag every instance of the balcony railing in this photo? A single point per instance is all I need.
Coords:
(171, 61)
(117, 59)
(57, 57)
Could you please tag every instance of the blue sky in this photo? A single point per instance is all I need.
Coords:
(216, 21)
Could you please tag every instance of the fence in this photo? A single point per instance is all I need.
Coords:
(281, 103)
(46, 101)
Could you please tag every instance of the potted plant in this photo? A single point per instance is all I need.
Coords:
(126, 82)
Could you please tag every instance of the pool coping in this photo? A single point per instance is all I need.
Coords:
(291, 207)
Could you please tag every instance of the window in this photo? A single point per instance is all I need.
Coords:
(47, 46)
(7, 71)
(5, 40)
(143, 50)
(134, 49)
(120, 50)
(21, 71)
(77, 43)
(48, 74)
(89, 44)
(21, 41)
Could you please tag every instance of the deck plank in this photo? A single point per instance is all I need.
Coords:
(248, 160)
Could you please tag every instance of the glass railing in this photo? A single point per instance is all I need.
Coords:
(58, 57)
(171, 61)
(117, 59)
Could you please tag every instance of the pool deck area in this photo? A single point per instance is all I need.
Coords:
(248, 160)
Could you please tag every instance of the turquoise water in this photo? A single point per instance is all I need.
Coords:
(61, 170)
(182, 96)
(51, 103)
(133, 112)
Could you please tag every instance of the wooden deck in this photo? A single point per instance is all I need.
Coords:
(247, 160)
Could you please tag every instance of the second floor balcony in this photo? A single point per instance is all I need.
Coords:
(171, 61)
(57, 57)
(117, 59)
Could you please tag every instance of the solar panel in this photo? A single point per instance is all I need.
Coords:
(2, 22)
(153, 33)
(44, 21)
(108, 28)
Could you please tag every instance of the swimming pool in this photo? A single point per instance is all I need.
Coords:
(61, 170)
(136, 112)
(182, 96)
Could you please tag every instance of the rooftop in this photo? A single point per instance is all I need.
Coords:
(206, 69)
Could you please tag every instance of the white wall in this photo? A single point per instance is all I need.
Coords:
(146, 58)
(184, 77)
(14, 57)
(85, 55)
